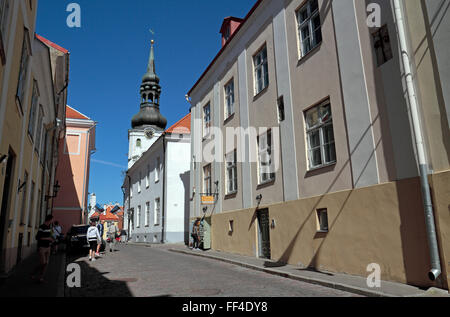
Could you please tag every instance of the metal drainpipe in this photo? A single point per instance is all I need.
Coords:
(435, 271)
(163, 223)
(129, 207)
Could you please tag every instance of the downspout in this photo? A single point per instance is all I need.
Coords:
(435, 271)
(88, 157)
(163, 214)
(129, 207)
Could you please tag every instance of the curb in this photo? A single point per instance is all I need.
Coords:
(338, 286)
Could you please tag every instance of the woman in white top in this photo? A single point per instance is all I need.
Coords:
(93, 237)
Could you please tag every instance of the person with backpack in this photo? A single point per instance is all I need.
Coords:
(93, 237)
(101, 230)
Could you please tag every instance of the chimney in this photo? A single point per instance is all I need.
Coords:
(229, 26)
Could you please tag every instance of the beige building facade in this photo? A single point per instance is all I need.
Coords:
(31, 117)
(329, 91)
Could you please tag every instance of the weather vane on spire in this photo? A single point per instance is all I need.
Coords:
(153, 34)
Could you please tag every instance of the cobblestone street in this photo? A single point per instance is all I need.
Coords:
(140, 271)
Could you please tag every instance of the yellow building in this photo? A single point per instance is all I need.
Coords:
(31, 113)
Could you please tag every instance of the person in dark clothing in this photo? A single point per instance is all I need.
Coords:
(101, 228)
(195, 234)
(45, 240)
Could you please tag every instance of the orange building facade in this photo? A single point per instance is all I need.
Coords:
(75, 149)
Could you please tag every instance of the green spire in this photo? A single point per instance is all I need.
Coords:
(151, 61)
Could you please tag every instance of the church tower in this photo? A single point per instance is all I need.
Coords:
(147, 125)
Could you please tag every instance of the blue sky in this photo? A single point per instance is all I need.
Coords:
(109, 56)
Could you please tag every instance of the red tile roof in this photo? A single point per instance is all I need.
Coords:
(50, 43)
(71, 113)
(109, 216)
(181, 127)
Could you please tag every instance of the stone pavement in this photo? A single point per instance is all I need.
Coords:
(19, 283)
(344, 282)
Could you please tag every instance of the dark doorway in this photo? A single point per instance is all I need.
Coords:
(6, 197)
(264, 233)
(19, 248)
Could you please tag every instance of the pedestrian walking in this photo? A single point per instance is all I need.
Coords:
(101, 230)
(45, 239)
(57, 236)
(112, 234)
(94, 239)
(195, 234)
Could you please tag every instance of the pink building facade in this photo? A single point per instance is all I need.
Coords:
(70, 207)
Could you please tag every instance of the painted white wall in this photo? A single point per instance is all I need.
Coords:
(178, 183)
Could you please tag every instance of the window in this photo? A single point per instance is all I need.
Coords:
(280, 104)
(138, 217)
(382, 45)
(4, 10)
(147, 178)
(231, 173)
(33, 110)
(265, 158)
(131, 191)
(320, 136)
(157, 169)
(229, 99)
(23, 70)
(31, 209)
(138, 143)
(147, 214)
(24, 198)
(261, 70)
(206, 120)
(139, 183)
(231, 226)
(322, 220)
(207, 185)
(39, 132)
(157, 211)
(309, 26)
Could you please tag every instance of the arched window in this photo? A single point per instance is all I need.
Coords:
(138, 143)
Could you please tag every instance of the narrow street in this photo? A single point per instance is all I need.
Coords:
(139, 271)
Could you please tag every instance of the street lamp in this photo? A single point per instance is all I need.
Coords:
(55, 191)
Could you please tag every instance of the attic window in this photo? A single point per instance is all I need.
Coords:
(227, 33)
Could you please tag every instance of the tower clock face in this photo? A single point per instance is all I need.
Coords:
(149, 133)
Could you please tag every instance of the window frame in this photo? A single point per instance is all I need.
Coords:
(5, 6)
(138, 217)
(147, 214)
(320, 128)
(387, 52)
(33, 111)
(23, 70)
(308, 23)
(156, 218)
(230, 98)
(267, 150)
(231, 166)
(206, 120)
(207, 191)
(264, 65)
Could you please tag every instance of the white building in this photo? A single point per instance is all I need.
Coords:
(156, 185)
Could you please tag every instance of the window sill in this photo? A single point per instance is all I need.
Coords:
(262, 92)
(314, 169)
(305, 57)
(19, 105)
(266, 184)
(230, 117)
(230, 195)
